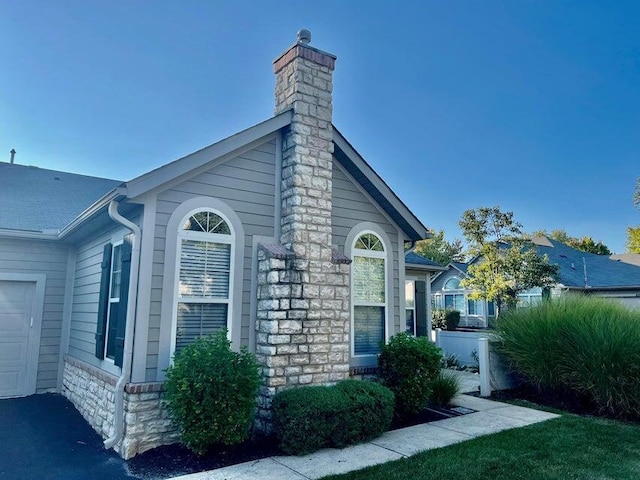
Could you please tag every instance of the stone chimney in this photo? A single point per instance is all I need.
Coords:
(303, 313)
(304, 81)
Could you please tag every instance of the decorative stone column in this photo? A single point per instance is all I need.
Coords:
(303, 283)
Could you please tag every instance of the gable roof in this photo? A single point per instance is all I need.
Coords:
(45, 201)
(412, 259)
(580, 270)
(76, 198)
(584, 270)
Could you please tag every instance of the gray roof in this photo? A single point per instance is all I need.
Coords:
(36, 199)
(413, 258)
(602, 272)
(460, 266)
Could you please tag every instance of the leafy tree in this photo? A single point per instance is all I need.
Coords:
(633, 233)
(633, 239)
(508, 263)
(585, 244)
(438, 249)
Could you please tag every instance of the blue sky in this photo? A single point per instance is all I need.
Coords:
(530, 105)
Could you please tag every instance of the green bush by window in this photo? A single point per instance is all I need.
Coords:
(407, 365)
(452, 319)
(211, 392)
(306, 419)
(585, 347)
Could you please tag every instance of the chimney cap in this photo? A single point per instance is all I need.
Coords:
(304, 36)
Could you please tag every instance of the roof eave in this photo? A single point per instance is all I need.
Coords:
(31, 234)
(117, 193)
(155, 178)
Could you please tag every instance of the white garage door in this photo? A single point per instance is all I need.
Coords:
(17, 368)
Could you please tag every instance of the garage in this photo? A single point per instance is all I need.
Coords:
(20, 319)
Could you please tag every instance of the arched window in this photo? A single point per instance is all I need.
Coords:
(369, 294)
(204, 280)
(452, 284)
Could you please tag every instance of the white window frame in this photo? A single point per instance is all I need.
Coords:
(412, 281)
(111, 301)
(208, 237)
(357, 252)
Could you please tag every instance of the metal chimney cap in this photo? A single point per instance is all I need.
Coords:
(304, 36)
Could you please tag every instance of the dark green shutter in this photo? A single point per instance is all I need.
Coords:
(121, 317)
(421, 308)
(103, 305)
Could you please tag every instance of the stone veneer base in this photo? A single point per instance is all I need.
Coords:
(146, 420)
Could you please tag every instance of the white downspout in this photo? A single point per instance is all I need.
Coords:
(125, 376)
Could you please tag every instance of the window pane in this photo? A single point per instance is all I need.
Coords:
(116, 272)
(199, 319)
(207, 222)
(476, 307)
(369, 241)
(452, 284)
(410, 323)
(204, 269)
(368, 323)
(455, 302)
(491, 308)
(368, 280)
(111, 331)
(409, 293)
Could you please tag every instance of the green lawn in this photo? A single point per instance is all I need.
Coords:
(565, 448)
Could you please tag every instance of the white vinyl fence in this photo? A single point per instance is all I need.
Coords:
(494, 374)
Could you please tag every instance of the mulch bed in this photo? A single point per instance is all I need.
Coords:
(174, 460)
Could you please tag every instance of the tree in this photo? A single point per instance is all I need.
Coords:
(507, 262)
(633, 233)
(633, 239)
(438, 249)
(585, 244)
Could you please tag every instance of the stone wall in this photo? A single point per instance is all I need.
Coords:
(92, 393)
(146, 420)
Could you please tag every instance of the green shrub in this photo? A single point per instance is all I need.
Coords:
(211, 392)
(586, 346)
(443, 388)
(306, 419)
(452, 319)
(408, 365)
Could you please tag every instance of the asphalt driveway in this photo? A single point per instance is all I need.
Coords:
(44, 437)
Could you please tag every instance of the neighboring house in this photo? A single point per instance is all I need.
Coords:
(282, 234)
(578, 271)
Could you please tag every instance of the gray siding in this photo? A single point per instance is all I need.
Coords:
(245, 183)
(86, 294)
(37, 257)
(351, 207)
(439, 282)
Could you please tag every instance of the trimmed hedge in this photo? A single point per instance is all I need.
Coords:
(306, 419)
(211, 392)
(408, 365)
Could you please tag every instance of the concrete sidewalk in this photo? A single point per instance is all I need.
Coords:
(490, 417)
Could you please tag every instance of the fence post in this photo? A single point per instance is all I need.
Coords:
(438, 341)
(484, 366)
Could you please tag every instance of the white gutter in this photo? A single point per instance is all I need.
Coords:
(125, 376)
(107, 198)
